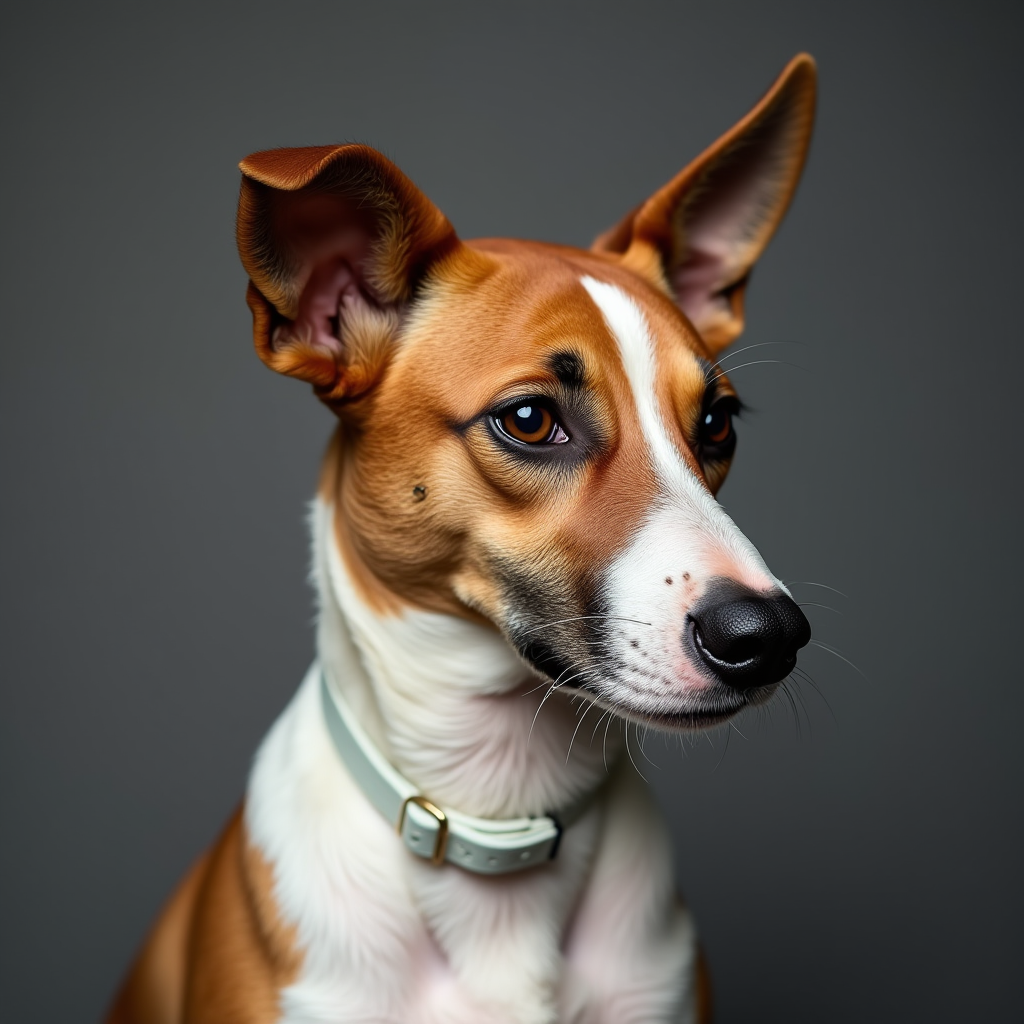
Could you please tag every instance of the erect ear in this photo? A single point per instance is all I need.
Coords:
(701, 234)
(334, 239)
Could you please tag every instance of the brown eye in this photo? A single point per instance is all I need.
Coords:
(717, 425)
(716, 431)
(532, 423)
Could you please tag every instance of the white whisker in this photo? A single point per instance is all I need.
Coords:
(640, 741)
(593, 703)
(806, 677)
(630, 755)
(604, 745)
(580, 618)
(747, 348)
(756, 362)
(813, 604)
(841, 657)
(807, 583)
(732, 725)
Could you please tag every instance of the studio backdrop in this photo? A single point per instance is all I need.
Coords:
(851, 854)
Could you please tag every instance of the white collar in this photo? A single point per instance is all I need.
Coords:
(485, 846)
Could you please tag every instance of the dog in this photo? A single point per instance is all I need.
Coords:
(515, 536)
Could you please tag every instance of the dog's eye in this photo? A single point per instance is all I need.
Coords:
(717, 436)
(531, 422)
(717, 424)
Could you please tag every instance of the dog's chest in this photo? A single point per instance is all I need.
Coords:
(384, 938)
(431, 947)
(594, 937)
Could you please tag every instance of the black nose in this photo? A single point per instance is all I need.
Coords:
(747, 639)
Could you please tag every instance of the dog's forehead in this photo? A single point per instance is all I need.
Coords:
(514, 317)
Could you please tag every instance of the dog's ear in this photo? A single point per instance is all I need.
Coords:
(701, 234)
(335, 240)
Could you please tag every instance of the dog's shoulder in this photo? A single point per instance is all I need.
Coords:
(220, 950)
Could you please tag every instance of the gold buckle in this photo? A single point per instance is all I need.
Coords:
(441, 842)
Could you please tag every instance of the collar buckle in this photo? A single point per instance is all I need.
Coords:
(441, 839)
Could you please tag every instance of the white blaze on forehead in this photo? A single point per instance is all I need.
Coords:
(687, 516)
(629, 327)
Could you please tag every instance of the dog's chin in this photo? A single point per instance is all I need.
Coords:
(712, 708)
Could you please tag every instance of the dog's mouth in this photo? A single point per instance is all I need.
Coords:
(677, 713)
(690, 720)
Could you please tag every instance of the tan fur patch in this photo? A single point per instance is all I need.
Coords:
(219, 951)
(240, 956)
(154, 991)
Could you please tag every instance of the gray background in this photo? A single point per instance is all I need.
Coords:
(858, 859)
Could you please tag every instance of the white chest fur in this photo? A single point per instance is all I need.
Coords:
(594, 936)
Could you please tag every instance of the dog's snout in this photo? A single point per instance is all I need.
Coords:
(746, 638)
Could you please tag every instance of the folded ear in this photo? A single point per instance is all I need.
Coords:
(334, 239)
(701, 234)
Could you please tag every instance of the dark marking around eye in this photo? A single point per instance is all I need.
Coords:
(568, 368)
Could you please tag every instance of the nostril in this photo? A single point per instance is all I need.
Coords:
(747, 639)
(736, 631)
(731, 650)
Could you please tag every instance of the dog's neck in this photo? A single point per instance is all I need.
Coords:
(450, 705)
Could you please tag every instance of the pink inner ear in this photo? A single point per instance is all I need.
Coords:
(723, 227)
(329, 238)
(331, 289)
(698, 282)
(718, 236)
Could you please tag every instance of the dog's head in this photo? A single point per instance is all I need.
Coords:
(534, 435)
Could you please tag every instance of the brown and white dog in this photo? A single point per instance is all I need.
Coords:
(515, 524)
